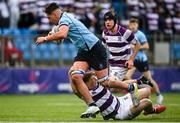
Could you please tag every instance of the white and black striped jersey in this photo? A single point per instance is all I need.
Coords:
(107, 103)
(119, 45)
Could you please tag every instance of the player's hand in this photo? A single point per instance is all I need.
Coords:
(132, 46)
(129, 64)
(40, 40)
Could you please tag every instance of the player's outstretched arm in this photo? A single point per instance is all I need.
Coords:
(59, 35)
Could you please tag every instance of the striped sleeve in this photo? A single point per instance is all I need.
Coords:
(103, 38)
(129, 35)
(142, 38)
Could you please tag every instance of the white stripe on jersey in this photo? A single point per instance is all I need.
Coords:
(104, 99)
(110, 108)
(118, 49)
(115, 39)
(124, 57)
(127, 34)
(98, 90)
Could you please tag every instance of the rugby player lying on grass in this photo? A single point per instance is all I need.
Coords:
(118, 108)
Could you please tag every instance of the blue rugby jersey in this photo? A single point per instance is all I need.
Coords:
(141, 55)
(80, 36)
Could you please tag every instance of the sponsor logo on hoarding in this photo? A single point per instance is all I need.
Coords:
(4, 86)
(64, 87)
(175, 86)
(33, 87)
(30, 88)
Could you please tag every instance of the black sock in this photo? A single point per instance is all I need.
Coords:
(130, 87)
(158, 93)
(139, 82)
(92, 104)
(154, 110)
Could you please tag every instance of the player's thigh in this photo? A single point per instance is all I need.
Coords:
(147, 74)
(125, 107)
(80, 65)
(144, 92)
(78, 70)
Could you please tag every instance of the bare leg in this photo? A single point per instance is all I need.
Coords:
(145, 104)
(144, 93)
(77, 80)
(75, 91)
(148, 75)
(155, 86)
(130, 81)
(130, 73)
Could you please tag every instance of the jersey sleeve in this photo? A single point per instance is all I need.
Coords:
(64, 21)
(142, 38)
(129, 36)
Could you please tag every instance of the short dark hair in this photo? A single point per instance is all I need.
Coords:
(110, 15)
(87, 76)
(51, 7)
(134, 20)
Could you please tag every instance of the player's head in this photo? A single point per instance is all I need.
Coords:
(89, 78)
(110, 20)
(133, 24)
(53, 12)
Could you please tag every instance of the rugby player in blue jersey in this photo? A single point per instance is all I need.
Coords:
(141, 60)
(91, 53)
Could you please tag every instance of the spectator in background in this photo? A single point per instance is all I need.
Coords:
(141, 60)
(28, 16)
(176, 22)
(133, 8)
(120, 7)
(4, 14)
(168, 26)
(12, 55)
(153, 21)
(14, 13)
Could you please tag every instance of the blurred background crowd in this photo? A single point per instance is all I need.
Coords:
(22, 20)
(155, 15)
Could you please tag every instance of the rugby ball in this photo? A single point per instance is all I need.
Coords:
(54, 30)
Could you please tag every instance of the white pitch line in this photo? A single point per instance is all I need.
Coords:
(66, 104)
(173, 104)
(82, 122)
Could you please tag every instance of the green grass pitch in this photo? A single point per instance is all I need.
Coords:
(67, 108)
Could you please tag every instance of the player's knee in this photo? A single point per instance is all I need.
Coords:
(147, 102)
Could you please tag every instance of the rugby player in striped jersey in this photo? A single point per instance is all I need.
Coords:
(118, 108)
(118, 40)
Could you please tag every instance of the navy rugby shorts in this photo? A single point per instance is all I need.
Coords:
(96, 57)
